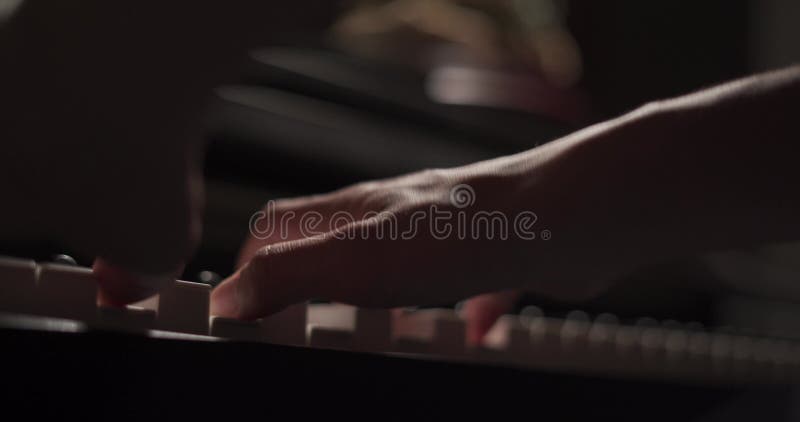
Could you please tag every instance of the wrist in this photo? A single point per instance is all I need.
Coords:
(594, 193)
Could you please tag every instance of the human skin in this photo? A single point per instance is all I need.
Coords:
(711, 170)
(101, 126)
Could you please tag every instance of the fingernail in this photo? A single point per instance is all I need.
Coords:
(224, 300)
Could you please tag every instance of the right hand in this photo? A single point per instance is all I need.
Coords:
(386, 244)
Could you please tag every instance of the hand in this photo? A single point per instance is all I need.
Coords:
(396, 242)
(572, 226)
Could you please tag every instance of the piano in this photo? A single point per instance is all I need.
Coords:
(167, 357)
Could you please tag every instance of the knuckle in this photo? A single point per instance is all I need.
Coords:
(436, 176)
(377, 200)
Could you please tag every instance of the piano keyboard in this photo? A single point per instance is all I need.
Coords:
(59, 297)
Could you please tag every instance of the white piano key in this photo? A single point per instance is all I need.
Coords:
(330, 338)
(781, 357)
(743, 357)
(507, 342)
(698, 358)
(183, 307)
(653, 340)
(546, 345)
(451, 335)
(767, 356)
(575, 346)
(442, 329)
(742, 348)
(679, 362)
(699, 344)
(544, 332)
(371, 328)
(332, 315)
(235, 329)
(721, 345)
(150, 303)
(626, 338)
(510, 336)
(721, 351)
(653, 345)
(286, 327)
(676, 344)
(128, 319)
(575, 328)
(603, 330)
(18, 286)
(173, 335)
(67, 292)
(628, 349)
(780, 354)
(601, 342)
(688, 355)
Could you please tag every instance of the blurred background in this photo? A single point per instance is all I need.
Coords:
(401, 85)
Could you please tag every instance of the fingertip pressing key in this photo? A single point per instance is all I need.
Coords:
(224, 299)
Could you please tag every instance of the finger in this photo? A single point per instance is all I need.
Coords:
(278, 276)
(354, 265)
(298, 218)
(224, 301)
(355, 270)
(280, 221)
(119, 287)
(481, 312)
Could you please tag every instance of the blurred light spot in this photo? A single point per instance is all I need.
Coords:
(7, 8)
